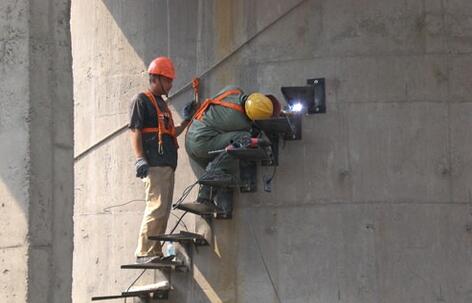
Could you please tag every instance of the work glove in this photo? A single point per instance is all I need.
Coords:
(189, 110)
(142, 168)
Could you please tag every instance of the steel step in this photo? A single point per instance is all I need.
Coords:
(183, 236)
(218, 183)
(153, 265)
(285, 126)
(252, 154)
(155, 291)
(198, 208)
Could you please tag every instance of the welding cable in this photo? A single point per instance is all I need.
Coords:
(135, 280)
(179, 219)
(115, 133)
(176, 224)
(184, 195)
(189, 188)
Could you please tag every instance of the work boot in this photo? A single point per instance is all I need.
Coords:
(224, 201)
(205, 193)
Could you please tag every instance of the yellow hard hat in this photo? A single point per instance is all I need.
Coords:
(258, 107)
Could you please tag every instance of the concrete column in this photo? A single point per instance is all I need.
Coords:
(36, 135)
(372, 205)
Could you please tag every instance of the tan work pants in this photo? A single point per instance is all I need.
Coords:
(159, 186)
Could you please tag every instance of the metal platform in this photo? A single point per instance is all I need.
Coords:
(183, 236)
(151, 291)
(158, 294)
(153, 265)
(218, 183)
(112, 297)
(289, 127)
(198, 209)
(252, 154)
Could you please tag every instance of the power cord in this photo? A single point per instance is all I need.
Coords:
(184, 195)
(180, 219)
(177, 224)
(131, 285)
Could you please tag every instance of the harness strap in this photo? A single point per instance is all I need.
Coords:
(219, 100)
(161, 129)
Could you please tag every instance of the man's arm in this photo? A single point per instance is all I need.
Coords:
(137, 142)
(187, 113)
(180, 128)
(141, 164)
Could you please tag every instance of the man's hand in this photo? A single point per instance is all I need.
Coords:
(142, 168)
(189, 110)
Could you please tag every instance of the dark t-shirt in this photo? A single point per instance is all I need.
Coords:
(144, 115)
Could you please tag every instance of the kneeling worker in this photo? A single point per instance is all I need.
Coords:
(220, 121)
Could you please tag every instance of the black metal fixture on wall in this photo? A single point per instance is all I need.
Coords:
(309, 99)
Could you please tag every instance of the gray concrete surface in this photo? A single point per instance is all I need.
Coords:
(373, 205)
(13, 167)
(36, 171)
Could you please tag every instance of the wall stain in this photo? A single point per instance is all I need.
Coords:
(223, 27)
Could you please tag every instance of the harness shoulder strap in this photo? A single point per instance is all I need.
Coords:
(160, 129)
(219, 100)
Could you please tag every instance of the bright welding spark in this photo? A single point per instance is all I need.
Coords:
(297, 107)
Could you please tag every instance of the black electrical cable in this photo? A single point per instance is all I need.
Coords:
(135, 280)
(180, 219)
(183, 223)
(189, 188)
(184, 195)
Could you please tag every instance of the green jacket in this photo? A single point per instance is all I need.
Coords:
(218, 123)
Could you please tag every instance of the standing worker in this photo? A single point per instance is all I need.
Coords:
(154, 142)
(220, 121)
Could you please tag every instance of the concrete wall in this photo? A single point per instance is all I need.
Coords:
(373, 205)
(14, 129)
(36, 171)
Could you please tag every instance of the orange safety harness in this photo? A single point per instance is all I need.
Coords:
(219, 101)
(161, 128)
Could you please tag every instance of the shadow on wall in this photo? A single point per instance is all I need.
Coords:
(215, 268)
(13, 188)
(160, 28)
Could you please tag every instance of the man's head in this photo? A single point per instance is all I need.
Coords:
(259, 106)
(161, 74)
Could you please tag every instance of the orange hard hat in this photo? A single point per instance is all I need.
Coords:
(162, 66)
